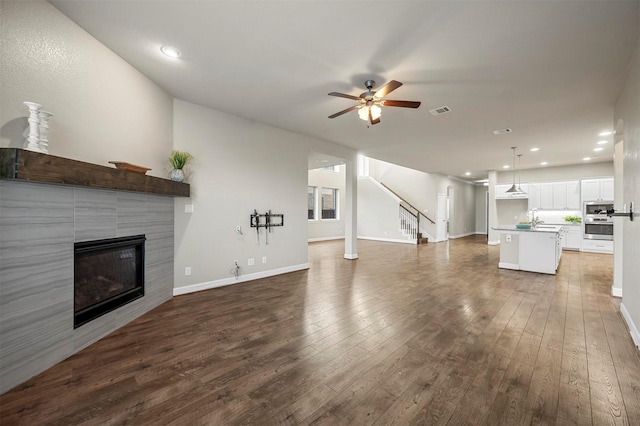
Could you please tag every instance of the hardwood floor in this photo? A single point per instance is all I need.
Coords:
(429, 334)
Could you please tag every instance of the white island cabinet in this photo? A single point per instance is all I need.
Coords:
(533, 250)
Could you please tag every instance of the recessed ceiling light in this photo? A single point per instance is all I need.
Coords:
(170, 51)
(467, 174)
(602, 142)
(586, 159)
(322, 161)
(505, 166)
(607, 133)
(598, 149)
(544, 163)
(535, 149)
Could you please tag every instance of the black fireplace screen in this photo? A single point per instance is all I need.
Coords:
(107, 274)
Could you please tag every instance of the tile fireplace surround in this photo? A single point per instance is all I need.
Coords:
(39, 223)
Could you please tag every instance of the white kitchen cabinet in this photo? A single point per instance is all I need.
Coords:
(546, 196)
(573, 195)
(606, 189)
(534, 250)
(559, 195)
(539, 252)
(597, 189)
(566, 195)
(598, 246)
(534, 196)
(572, 237)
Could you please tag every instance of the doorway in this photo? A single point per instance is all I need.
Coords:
(442, 219)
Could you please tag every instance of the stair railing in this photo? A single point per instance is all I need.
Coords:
(409, 223)
(407, 205)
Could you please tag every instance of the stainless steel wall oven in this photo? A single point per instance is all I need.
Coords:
(597, 225)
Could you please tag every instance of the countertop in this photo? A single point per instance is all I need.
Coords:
(539, 228)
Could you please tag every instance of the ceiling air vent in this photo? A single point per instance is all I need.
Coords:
(502, 131)
(440, 110)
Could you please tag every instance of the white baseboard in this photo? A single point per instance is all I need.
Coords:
(387, 240)
(480, 233)
(315, 240)
(635, 334)
(505, 265)
(453, 237)
(616, 292)
(494, 243)
(241, 279)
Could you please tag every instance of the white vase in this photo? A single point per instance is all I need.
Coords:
(33, 140)
(43, 127)
(177, 175)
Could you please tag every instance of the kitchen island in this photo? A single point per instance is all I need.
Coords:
(535, 250)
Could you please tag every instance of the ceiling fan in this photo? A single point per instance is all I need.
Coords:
(369, 102)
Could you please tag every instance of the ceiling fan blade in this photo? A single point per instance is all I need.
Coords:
(343, 95)
(402, 104)
(344, 111)
(387, 88)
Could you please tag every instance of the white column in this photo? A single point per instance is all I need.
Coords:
(494, 236)
(351, 210)
(618, 222)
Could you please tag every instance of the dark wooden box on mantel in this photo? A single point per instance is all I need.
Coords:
(35, 167)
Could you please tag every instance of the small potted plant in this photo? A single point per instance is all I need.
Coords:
(178, 160)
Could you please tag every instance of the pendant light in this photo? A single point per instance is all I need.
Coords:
(514, 189)
(519, 170)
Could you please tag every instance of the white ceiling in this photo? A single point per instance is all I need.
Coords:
(550, 70)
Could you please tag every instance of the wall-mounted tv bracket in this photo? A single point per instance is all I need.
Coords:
(612, 213)
(266, 220)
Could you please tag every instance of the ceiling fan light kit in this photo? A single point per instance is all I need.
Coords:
(370, 102)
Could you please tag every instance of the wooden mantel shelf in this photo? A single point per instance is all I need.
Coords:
(20, 164)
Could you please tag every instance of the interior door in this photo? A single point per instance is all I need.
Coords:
(441, 218)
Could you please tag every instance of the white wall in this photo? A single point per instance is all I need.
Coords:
(239, 166)
(420, 189)
(627, 109)
(481, 209)
(510, 212)
(103, 108)
(323, 229)
(378, 213)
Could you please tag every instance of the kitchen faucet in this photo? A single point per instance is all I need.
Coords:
(534, 218)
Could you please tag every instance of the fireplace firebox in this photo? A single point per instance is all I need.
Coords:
(107, 275)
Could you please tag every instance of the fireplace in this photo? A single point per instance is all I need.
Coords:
(107, 275)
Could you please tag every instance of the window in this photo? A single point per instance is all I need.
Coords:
(329, 203)
(311, 202)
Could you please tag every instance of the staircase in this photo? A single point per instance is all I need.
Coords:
(385, 216)
(410, 218)
(410, 223)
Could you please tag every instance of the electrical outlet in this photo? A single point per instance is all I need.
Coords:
(188, 208)
(264, 259)
(508, 238)
(251, 261)
(187, 270)
(239, 229)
